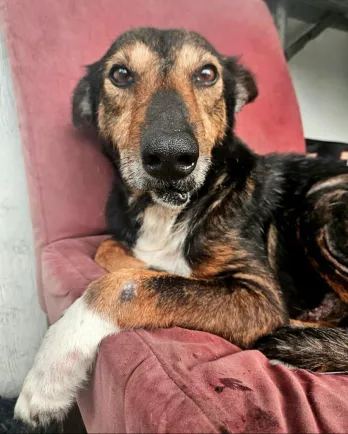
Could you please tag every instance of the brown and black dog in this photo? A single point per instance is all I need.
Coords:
(206, 234)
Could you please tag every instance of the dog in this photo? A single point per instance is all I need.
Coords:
(206, 234)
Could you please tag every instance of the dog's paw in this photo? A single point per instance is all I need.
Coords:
(107, 253)
(41, 405)
(61, 366)
(113, 256)
(51, 386)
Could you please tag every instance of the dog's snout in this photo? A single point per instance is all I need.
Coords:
(170, 156)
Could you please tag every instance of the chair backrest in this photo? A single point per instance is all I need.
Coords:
(50, 41)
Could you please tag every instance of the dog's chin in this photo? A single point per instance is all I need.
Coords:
(171, 199)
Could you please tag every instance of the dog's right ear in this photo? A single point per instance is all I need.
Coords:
(82, 104)
(84, 98)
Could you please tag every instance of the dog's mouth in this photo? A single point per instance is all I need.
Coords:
(169, 193)
(171, 197)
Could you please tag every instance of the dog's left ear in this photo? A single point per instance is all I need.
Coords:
(242, 80)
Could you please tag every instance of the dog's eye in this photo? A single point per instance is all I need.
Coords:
(206, 76)
(121, 76)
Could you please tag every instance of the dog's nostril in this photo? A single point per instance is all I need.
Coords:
(169, 156)
(185, 160)
(152, 160)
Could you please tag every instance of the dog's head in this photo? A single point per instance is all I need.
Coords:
(163, 99)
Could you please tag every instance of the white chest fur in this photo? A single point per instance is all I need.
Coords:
(160, 242)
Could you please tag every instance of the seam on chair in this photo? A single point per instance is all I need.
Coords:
(126, 387)
(173, 380)
(78, 237)
(71, 264)
(134, 369)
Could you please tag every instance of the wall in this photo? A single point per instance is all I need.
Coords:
(22, 324)
(320, 76)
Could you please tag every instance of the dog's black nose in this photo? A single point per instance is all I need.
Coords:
(170, 156)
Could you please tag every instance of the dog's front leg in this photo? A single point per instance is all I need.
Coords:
(62, 364)
(239, 309)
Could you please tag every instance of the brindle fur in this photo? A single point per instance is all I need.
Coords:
(267, 235)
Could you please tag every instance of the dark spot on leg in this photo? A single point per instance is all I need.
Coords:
(234, 384)
(128, 292)
(195, 355)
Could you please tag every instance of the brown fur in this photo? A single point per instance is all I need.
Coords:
(336, 181)
(338, 280)
(217, 256)
(122, 114)
(272, 246)
(127, 314)
(206, 107)
(323, 198)
(298, 323)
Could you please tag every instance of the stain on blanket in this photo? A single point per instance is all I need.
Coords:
(231, 383)
(259, 420)
(219, 389)
(234, 384)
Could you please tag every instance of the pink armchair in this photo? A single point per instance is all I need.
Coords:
(171, 380)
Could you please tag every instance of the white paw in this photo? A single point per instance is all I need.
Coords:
(62, 365)
(51, 386)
